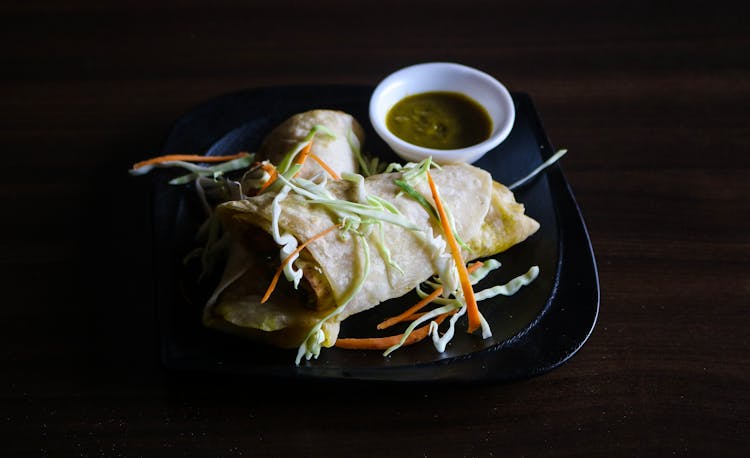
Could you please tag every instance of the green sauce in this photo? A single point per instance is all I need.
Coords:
(439, 120)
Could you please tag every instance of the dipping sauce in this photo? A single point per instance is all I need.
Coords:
(439, 120)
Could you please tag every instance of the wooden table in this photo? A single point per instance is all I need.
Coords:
(650, 99)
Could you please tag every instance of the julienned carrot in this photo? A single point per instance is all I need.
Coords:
(411, 312)
(187, 158)
(384, 343)
(472, 309)
(325, 166)
(276, 276)
(271, 170)
(302, 156)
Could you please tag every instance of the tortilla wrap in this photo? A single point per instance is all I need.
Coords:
(486, 217)
(336, 151)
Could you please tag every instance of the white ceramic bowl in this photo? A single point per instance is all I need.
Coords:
(443, 76)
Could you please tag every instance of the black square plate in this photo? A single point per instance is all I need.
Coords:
(534, 331)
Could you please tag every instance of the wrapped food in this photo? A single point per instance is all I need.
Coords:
(403, 250)
(312, 242)
(338, 133)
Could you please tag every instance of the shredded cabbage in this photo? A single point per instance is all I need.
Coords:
(427, 316)
(289, 157)
(197, 170)
(368, 211)
(511, 287)
(368, 168)
(282, 178)
(486, 267)
(379, 237)
(315, 188)
(486, 330)
(355, 146)
(554, 158)
(440, 342)
(287, 242)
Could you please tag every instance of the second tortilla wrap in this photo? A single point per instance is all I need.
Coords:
(334, 151)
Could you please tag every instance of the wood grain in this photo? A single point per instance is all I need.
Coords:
(651, 99)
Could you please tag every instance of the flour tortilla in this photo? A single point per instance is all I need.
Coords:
(336, 151)
(486, 217)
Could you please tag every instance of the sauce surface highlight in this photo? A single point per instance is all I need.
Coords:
(439, 120)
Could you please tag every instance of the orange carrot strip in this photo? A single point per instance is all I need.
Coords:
(411, 310)
(471, 303)
(410, 313)
(276, 276)
(302, 156)
(325, 166)
(415, 316)
(384, 343)
(187, 158)
(271, 170)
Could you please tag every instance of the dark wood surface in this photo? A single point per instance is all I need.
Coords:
(651, 99)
